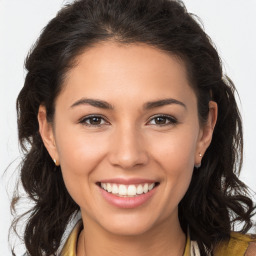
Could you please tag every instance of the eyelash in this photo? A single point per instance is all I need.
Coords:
(171, 120)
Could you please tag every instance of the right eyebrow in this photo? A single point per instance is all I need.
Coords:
(93, 102)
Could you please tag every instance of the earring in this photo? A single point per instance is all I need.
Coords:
(198, 165)
(56, 162)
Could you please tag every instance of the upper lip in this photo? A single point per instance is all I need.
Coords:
(127, 181)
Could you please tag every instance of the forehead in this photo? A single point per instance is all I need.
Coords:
(126, 71)
(107, 57)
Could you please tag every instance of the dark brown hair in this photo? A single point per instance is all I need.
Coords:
(216, 198)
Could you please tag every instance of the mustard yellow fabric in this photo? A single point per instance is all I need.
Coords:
(236, 246)
(187, 247)
(69, 248)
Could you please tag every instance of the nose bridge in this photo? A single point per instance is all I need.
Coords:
(127, 147)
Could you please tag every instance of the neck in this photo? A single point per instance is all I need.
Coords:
(165, 239)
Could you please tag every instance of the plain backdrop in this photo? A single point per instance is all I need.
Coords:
(230, 23)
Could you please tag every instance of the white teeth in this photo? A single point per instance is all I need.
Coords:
(145, 188)
(109, 187)
(128, 190)
(115, 189)
(150, 187)
(139, 190)
(131, 191)
(122, 190)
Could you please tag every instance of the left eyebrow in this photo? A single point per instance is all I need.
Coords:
(163, 102)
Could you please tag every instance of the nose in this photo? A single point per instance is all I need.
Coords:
(128, 149)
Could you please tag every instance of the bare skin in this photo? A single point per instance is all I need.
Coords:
(251, 251)
(129, 137)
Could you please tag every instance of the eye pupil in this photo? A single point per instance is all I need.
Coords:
(95, 120)
(160, 120)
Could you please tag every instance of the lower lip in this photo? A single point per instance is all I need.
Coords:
(127, 202)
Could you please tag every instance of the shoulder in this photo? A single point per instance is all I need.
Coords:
(238, 244)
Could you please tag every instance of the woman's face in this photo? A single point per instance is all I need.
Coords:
(126, 121)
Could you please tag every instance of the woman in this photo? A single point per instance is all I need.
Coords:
(128, 120)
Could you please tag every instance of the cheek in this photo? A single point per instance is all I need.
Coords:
(79, 155)
(79, 152)
(176, 151)
(175, 155)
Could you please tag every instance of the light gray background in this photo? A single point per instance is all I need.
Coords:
(230, 23)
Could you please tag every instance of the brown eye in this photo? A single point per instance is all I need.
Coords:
(93, 121)
(160, 120)
(163, 120)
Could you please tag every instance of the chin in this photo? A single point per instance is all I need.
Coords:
(129, 225)
(127, 230)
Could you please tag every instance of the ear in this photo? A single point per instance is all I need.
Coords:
(47, 134)
(206, 132)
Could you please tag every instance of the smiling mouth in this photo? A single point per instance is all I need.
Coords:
(131, 190)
